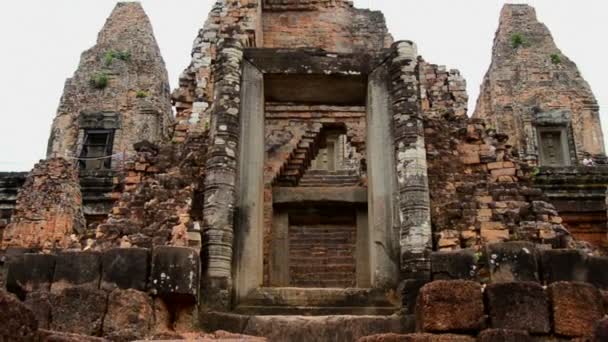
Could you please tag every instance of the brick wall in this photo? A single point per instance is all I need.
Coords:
(48, 213)
(322, 249)
(337, 29)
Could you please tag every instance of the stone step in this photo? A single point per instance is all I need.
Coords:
(335, 297)
(313, 327)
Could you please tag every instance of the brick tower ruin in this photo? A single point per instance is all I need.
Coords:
(319, 182)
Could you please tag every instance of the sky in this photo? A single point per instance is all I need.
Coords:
(41, 42)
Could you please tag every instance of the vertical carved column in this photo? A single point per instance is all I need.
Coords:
(220, 179)
(414, 203)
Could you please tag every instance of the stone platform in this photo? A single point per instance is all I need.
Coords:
(317, 302)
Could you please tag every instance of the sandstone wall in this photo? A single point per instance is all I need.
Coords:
(530, 75)
(48, 213)
(510, 311)
(136, 99)
(122, 294)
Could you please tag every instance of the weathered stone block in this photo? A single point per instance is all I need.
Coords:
(503, 335)
(78, 310)
(125, 268)
(597, 275)
(512, 261)
(576, 308)
(130, 315)
(453, 265)
(518, 306)
(30, 272)
(40, 304)
(77, 269)
(17, 322)
(175, 270)
(321, 328)
(563, 265)
(439, 300)
(417, 338)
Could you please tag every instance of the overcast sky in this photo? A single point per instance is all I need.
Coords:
(41, 42)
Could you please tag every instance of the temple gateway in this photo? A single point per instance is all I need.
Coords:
(311, 178)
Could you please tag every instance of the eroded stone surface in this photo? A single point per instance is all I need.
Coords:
(18, 323)
(576, 308)
(78, 310)
(439, 301)
(129, 317)
(518, 306)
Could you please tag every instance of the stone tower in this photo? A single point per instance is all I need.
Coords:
(322, 183)
(536, 95)
(119, 95)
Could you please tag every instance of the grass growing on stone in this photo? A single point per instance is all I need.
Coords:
(517, 40)
(556, 58)
(99, 80)
(114, 54)
(142, 94)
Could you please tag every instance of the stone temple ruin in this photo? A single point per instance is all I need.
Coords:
(317, 181)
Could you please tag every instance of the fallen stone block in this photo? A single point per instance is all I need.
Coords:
(77, 269)
(130, 315)
(512, 261)
(563, 265)
(125, 268)
(29, 273)
(175, 270)
(417, 338)
(440, 300)
(503, 335)
(17, 322)
(518, 306)
(78, 310)
(454, 265)
(576, 308)
(597, 274)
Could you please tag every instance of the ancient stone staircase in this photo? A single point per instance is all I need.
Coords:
(301, 158)
(324, 178)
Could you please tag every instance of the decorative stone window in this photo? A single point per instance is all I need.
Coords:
(97, 149)
(555, 145)
(97, 133)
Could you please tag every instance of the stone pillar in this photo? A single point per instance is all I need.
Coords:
(220, 178)
(414, 202)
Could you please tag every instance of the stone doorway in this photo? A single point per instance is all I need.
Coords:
(317, 184)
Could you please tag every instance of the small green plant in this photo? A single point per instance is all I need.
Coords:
(556, 58)
(142, 94)
(99, 80)
(517, 40)
(110, 55)
(535, 171)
